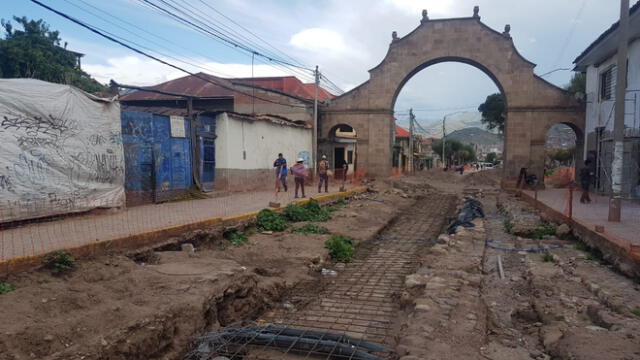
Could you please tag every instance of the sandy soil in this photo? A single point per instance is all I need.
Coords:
(561, 303)
(117, 308)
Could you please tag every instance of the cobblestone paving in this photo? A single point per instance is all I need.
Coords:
(362, 301)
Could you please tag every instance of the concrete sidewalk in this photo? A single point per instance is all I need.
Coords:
(76, 231)
(595, 213)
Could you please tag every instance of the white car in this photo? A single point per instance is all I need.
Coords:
(488, 165)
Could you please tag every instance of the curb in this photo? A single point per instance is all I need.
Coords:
(150, 238)
(627, 258)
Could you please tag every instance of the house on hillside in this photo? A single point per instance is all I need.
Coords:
(599, 62)
(213, 133)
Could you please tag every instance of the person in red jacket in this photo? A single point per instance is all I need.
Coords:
(299, 172)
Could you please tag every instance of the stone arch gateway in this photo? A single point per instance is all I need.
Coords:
(533, 104)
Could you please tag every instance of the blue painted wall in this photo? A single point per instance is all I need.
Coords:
(158, 166)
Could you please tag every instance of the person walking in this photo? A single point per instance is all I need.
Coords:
(281, 172)
(299, 172)
(586, 178)
(323, 168)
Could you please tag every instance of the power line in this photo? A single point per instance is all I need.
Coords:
(229, 33)
(113, 39)
(192, 62)
(202, 26)
(250, 32)
(217, 34)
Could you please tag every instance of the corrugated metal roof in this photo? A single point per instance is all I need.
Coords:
(194, 86)
(169, 111)
(188, 85)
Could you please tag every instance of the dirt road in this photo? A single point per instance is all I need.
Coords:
(418, 292)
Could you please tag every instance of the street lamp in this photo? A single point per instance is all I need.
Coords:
(444, 134)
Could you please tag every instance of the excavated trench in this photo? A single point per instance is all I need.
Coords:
(357, 309)
(152, 304)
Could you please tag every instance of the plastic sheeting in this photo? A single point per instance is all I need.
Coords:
(60, 150)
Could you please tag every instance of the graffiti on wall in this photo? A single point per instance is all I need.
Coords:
(53, 161)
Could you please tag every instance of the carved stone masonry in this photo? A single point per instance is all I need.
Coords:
(425, 17)
(507, 29)
(394, 36)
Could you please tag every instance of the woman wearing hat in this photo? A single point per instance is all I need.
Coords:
(299, 172)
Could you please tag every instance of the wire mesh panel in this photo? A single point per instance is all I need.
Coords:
(354, 312)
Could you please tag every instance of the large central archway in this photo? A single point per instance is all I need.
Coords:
(533, 104)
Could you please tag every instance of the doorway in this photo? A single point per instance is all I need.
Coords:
(338, 160)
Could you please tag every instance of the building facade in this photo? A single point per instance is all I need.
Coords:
(599, 62)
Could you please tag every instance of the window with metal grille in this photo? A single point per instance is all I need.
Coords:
(607, 83)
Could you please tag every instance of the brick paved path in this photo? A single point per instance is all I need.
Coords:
(43, 237)
(362, 302)
(596, 213)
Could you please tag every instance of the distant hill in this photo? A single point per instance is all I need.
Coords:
(475, 135)
(468, 119)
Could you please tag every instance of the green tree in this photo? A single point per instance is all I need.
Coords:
(577, 84)
(492, 111)
(491, 157)
(35, 52)
(455, 151)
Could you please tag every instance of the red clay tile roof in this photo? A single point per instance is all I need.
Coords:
(194, 86)
(401, 132)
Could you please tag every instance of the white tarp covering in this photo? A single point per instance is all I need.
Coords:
(60, 150)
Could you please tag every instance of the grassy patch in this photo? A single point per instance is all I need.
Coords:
(582, 246)
(6, 288)
(60, 262)
(271, 221)
(236, 238)
(311, 211)
(311, 229)
(559, 318)
(592, 253)
(545, 229)
(337, 205)
(340, 248)
(547, 257)
(635, 311)
(508, 226)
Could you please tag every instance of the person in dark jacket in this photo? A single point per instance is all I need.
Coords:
(281, 172)
(586, 179)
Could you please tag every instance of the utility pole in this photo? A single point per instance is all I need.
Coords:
(443, 135)
(617, 164)
(314, 155)
(412, 118)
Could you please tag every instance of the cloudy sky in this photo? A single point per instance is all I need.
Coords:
(344, 37)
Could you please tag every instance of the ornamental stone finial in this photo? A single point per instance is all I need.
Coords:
(425, 17)
(394, 36)
(507, 29)
(476, 11)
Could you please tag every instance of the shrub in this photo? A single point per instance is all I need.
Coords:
(236, 238)
(271, 221)
(542, 231)
(310, 211)
(337, 205)
(60, 262)
(5, 288)
(547, 257)
(340, 248)
(311, 229)
(508, 226)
